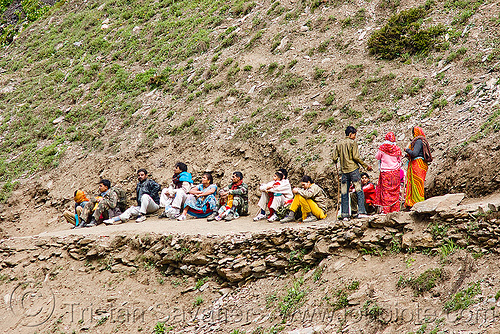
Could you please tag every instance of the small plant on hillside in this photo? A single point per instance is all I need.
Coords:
(395, 244)
(293, 300)
(372, 309)
(339, 301)
(328, 122)
(310, 116)
(323, 46)
(292, 63)
(159, 328)
(448, 248)
(389, 4)
(409, 262)
(198, 301)
(372, 135)
(330, 98)
(464, 298)
(437, 230)
(201, 282)
(317, 273)
(347, 109)
(271, 300)
(253, 41)
(228, 61)
(424, 282)
(318, 73)
(272, 67)
(353, 286)
(456, 54)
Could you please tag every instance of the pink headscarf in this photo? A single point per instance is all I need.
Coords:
(389, 145)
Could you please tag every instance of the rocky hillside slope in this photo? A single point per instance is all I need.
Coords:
(100, 88)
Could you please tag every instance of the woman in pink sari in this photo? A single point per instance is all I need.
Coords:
(387, 192)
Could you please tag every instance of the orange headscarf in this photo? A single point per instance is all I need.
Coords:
(418, 132)
(80, 197)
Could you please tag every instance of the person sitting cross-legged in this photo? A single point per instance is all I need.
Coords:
(311, 200)
(275, 194)
(174, 197)
(201, 202)
(148, 200)
(233, 200)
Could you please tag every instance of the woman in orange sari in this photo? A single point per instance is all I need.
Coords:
(419, 155)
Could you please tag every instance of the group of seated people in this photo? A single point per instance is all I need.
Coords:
(182, 199)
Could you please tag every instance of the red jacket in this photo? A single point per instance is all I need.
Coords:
(370, 195)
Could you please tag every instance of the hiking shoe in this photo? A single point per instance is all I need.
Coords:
(260, 216)
(92, 223)
(181, 217)
(140, 219)
(310, 219)
(211, 217)
(229, 217)
(273, 218)
(109, 221)
(173, 213)
(289, 218)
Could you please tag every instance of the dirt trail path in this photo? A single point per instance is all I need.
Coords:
(190, 226)
(201, 226)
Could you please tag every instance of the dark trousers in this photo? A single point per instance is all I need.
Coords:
(370, 209)
(353, 177)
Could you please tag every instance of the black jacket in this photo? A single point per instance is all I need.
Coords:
(418, 150)
(148, 187)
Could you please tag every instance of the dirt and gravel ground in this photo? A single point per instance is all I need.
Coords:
(189, 226)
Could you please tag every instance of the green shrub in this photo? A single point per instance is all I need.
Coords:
(293, 299)
(403, 34)
(426, 281)
(318, 73)
(330, 98)
(329, 122)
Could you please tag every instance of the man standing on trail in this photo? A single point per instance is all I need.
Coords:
(148, 200)
(347, 151)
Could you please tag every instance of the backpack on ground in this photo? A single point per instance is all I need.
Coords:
(122, 198)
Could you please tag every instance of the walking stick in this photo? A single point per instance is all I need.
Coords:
(338, 192)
